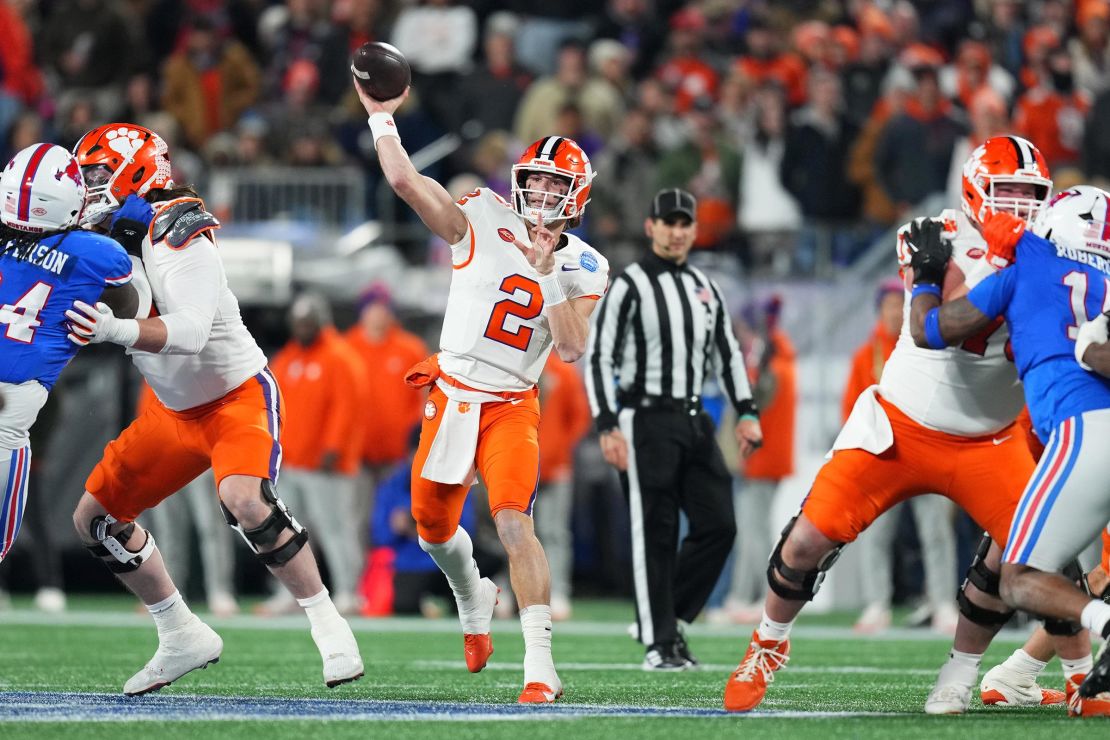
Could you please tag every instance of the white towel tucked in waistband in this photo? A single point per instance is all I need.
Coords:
(451, 457)
(867, 427)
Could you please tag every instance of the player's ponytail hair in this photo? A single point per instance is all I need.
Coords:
(160, 195)
(19, 241)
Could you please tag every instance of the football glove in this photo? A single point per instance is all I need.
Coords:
(929, 251)
(1092, 332)
(93, 325)
(130, 223)
(1002, 231)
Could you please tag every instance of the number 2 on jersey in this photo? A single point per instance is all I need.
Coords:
(502, 310)
(22, 317)
(1077, 281)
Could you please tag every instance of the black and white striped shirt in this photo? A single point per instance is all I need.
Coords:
(658, 329)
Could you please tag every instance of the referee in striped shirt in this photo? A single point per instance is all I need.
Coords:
(660, 328)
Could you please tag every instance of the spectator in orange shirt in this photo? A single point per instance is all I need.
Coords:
(1053, 112)
(564, 420)
(933, 514)
(774, 388)
(387, 351)
(324, 394)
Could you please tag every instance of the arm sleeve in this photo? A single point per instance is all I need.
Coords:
(192, 278)
(727, 359)
(993, 294)
(603, 347)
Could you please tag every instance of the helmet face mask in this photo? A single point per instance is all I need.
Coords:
(41, 190)
(1014, 164)
(118, 160)
(560, 159)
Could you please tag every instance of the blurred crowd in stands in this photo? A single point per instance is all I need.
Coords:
(802, 126)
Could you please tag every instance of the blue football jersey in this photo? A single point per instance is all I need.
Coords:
(38, 284)
(1047, 293)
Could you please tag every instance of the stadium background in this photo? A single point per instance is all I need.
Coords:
(808, 130)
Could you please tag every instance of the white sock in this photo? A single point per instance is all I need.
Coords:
(961, 668)
(1024, 663)
(320, 609)
(769, 629)
(1079, 666)
(169, 613)
(455, 558)
(535, 623)
(1096, 618)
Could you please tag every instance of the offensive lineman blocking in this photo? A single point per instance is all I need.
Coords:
(218, 406)
(520, 287)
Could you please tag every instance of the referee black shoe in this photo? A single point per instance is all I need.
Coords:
(663, 657)
(682, 650)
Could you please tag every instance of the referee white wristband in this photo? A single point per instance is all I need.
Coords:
(381, 125)
(552, 290)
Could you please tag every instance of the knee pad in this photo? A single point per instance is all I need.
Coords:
(267, 533)
(978, 574)
(109, 547)
(801, 585)
(987, 581)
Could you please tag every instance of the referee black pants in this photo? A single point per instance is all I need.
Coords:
(674, 464)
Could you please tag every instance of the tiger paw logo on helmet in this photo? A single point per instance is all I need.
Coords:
(118, 160)
(563, 158)
(1005, 174)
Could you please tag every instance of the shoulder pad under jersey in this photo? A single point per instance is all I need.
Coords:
(180, 221)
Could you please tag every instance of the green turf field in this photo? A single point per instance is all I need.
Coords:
(61, 677)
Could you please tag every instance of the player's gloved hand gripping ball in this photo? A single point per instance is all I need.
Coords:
(930, 251)
(130, 223)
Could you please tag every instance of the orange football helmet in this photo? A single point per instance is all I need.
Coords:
(999, 160)
(557, 156)
(118, 159)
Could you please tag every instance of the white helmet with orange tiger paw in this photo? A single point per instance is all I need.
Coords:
(1004, 159)
(559, 156)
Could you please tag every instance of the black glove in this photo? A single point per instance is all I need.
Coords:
(130, 223)
(930, 252)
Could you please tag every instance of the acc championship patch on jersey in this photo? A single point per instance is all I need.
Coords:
(588, 262)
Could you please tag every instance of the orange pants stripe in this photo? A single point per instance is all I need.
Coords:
(162, 450)
(507, 459)
(984, 475)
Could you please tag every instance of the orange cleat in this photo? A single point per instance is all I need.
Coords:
(539, 693)
(748, 683)
(1049, 697)
(1086, 706)
(477, 649)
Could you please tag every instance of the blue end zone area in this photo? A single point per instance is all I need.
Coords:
(45, 706)
(39, 706)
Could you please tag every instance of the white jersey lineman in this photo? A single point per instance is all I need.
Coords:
(495, 334)
(971, 390)
(210, 353)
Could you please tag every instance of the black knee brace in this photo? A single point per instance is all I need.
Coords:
(987, 581)
(109, 547)
(267, 533)
(801, 585)
(1067, 627)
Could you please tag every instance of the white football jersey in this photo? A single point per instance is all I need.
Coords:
(228, 359)
(495, 334)
(969, 390)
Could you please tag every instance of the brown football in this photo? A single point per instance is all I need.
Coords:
(381, 70)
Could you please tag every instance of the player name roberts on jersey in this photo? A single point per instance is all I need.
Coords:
(495, 333)
(970, 390)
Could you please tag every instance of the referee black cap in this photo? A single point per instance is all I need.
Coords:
(672, 200)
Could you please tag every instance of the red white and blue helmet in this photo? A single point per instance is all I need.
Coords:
(41, 189)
